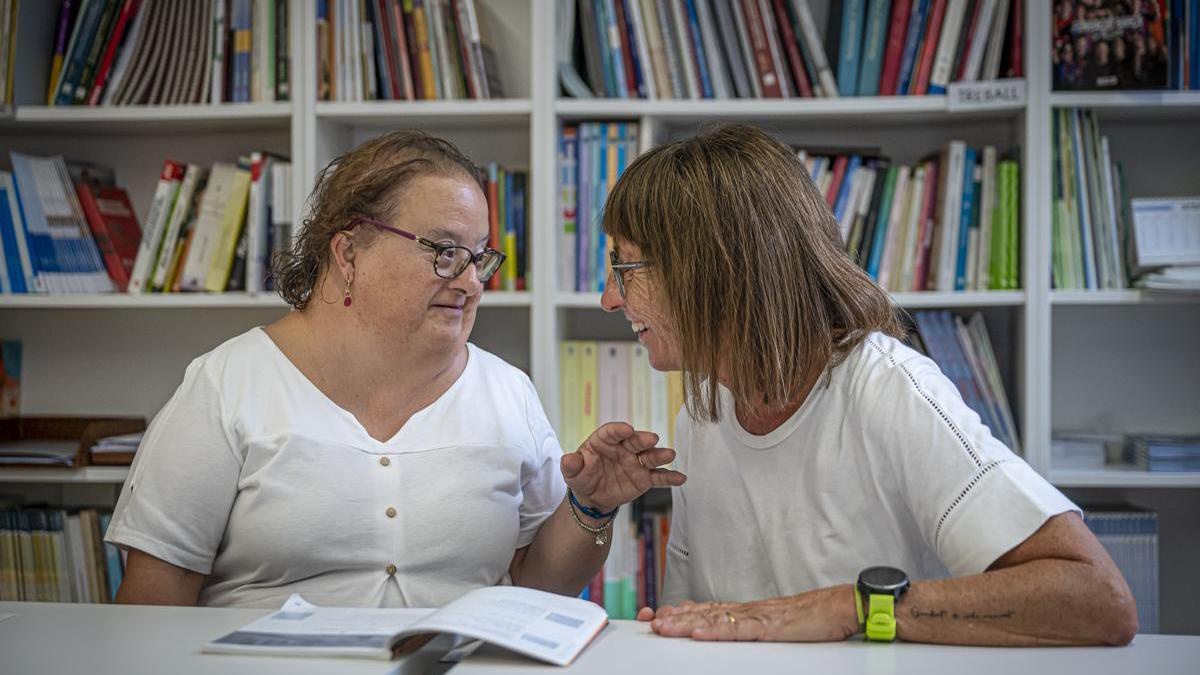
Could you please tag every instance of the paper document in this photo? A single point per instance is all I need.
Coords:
(544, 626)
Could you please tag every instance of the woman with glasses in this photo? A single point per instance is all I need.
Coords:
(837, 483)
(359, 451)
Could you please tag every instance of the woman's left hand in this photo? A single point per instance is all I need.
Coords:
(823, 615)
(615, 465)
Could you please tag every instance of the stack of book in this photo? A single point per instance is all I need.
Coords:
(613, 382)
(508, 231)
(724, 49)
(1091, 206)
(632, 576)
(167, 52)
(1115, 44)
(401, 50)
(215, 229)
(50, 555)
(1164, 452)
(1077, 450)
(963, 351)
(950, 223)
(1165, 244)
(1131, 538)
(591, 156)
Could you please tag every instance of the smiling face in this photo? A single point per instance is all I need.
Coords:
(395, 289)
(644, 308)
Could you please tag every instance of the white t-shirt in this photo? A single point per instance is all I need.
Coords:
(252, 476)
(884, 466)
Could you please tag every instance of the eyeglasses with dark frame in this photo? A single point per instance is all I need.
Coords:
(449, 260)
(619, 268)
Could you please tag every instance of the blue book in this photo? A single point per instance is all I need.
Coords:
(1193, 41)
(850, 47)
(844, 190)
(873, 45)
(112, 559)
(583, 201)
(706, 88)
(881, 222)
(73, 62)
(613, 51)
(964, 222)
(599, 271)
(518, 202)
(912, 41)
(14, 277)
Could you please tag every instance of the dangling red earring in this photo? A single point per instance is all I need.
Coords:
(346, 300)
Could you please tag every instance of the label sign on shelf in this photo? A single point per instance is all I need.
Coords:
(963, 96)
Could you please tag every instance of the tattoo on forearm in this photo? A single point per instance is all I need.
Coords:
(959, 616)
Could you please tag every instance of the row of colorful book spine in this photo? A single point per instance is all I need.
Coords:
(52, 555)
(949, 223)
(403, 50)
(722, 49)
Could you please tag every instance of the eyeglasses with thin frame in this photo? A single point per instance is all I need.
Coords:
(619, 268)
(449, 260)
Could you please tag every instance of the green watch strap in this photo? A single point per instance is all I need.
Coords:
(881, 618)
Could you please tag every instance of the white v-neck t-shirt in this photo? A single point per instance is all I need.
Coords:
(252, 476)
(882, 465)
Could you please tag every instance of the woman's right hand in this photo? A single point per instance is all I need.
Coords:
(616, 465)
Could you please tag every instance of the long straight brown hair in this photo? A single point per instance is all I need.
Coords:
(752, 266)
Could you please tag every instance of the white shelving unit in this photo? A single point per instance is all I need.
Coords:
(1114, 360)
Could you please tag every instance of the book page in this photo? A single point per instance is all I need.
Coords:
(545, 626)
(300, 628)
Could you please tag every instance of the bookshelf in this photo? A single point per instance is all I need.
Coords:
(1071, 359)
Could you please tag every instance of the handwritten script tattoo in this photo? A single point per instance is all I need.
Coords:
(958, 616)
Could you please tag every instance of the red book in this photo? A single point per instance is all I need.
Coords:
(384, 25)
(933, 30)
(1016, 44)
(401, 49)
(895, 48)
(839, 172)
(114, 225)
(110, 52)
(925, 233)
(763, 62)
(626, 56)
(799, 75)
(493, 200)
(596, 588)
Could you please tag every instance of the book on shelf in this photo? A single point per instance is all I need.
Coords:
(1111, 44)
(722, 49)
(404, 50)
(205, 230)
(1163, 452)
(54, 555)
(164, 52)
(544, 626)
(963, 351)
(949, 223)
(506, 190)
(632, 576)
(1080, 450)
(10, 378)
(1130, 536)
(1104, 238)
(603, 382)
(591, 157)
(69, 442)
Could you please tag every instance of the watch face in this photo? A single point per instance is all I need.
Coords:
(883, 578)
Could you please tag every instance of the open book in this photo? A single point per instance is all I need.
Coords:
(544, 626)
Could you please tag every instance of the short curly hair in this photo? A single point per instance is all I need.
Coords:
(367, 181)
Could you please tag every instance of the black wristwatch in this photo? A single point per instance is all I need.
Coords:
(883, 587)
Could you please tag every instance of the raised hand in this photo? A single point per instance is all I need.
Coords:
(615, 465)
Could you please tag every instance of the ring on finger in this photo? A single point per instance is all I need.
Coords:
(730, 617)
(643, 464)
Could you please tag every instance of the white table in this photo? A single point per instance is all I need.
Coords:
(103, 639)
